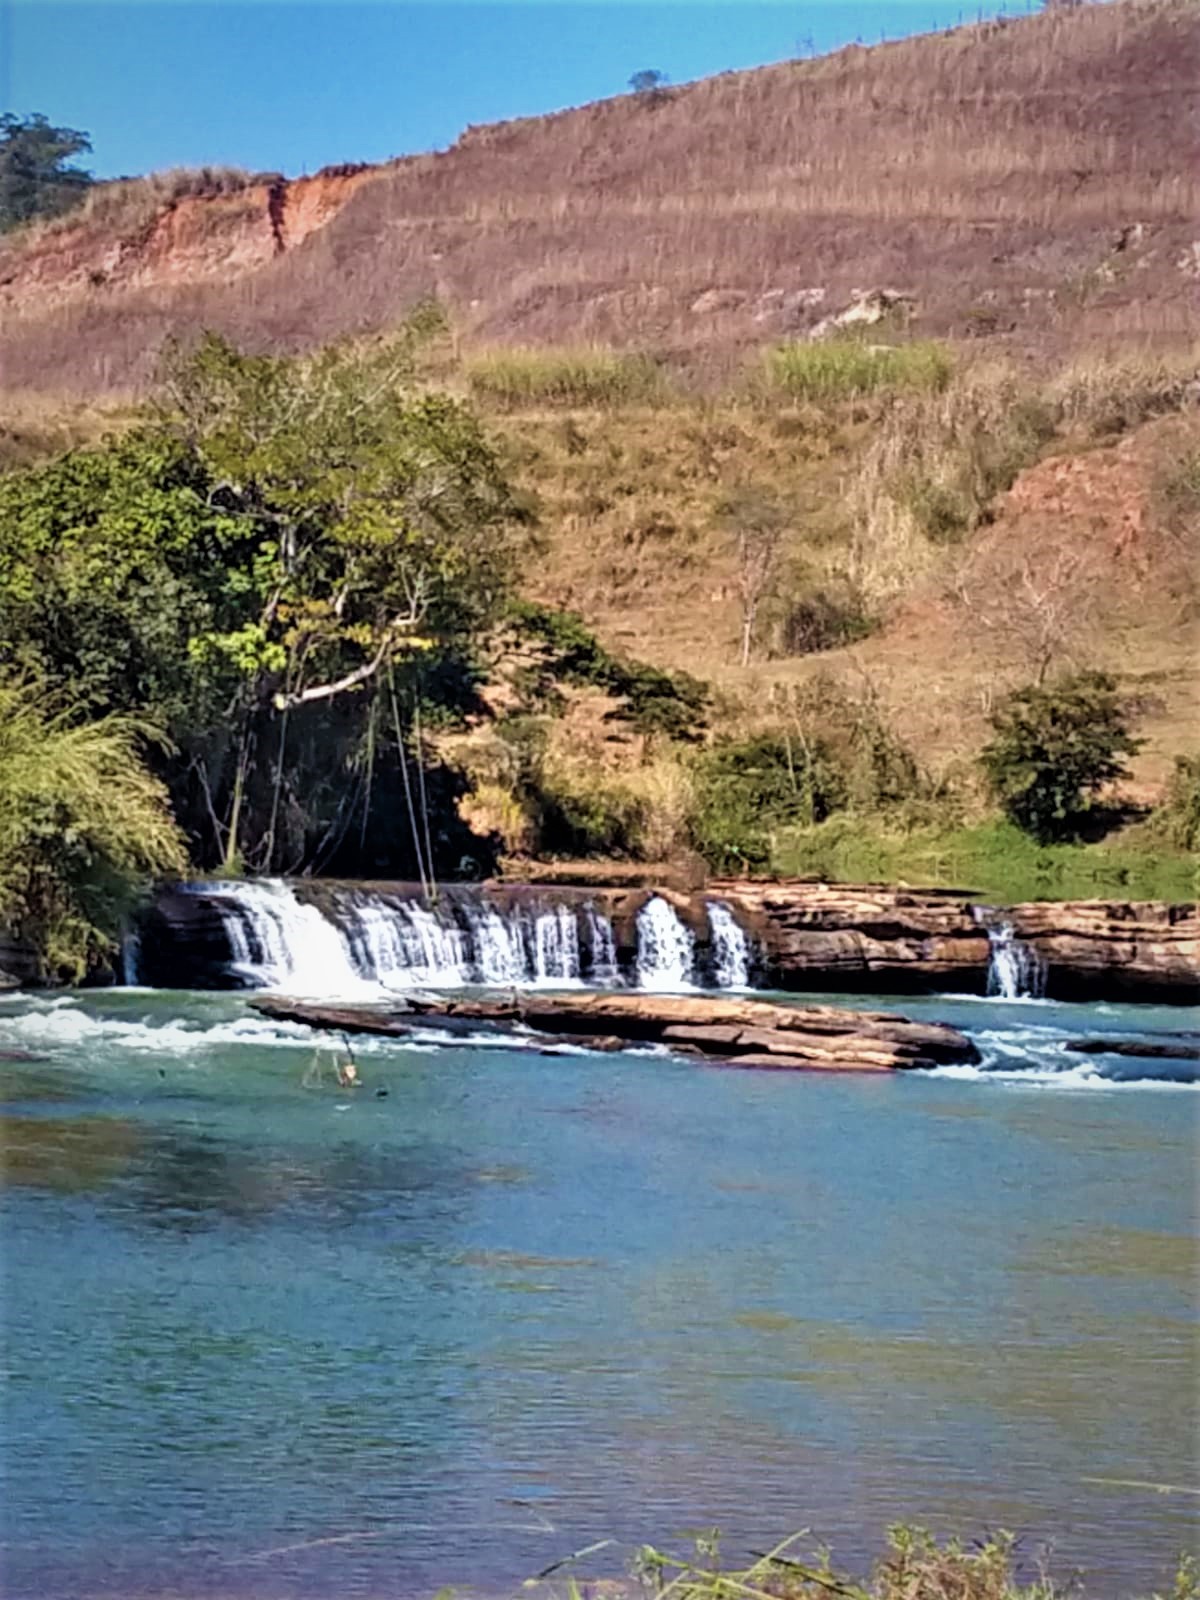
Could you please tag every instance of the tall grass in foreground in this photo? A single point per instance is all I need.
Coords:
(845, 368)
(915, 1566)
(565, 376)
(82, 823)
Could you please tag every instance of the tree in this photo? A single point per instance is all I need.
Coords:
(35, 178)
(756, 525)
(1043, 612)
(649, 83)
(288, 567)
(1055, 748)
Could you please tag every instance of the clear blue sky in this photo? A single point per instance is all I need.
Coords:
(284, 86)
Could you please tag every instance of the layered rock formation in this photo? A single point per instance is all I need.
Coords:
(1094, 949)
(805, 936)
(825, 935)
(861, 936)
(742, 1033)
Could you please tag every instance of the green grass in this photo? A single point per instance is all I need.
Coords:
(994, 859)
(582, 376)
(841, 369)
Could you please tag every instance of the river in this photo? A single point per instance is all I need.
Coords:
(266, 1337)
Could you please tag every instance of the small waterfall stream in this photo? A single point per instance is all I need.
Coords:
(666, 957)
(1015, 970)
(357, 941)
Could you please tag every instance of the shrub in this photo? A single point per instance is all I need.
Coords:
(1054, 750)
(83, 824)
(843, 368)
(747, 789)
(826, 619)
(1177, 819)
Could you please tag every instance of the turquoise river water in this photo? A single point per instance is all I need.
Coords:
(265, 1337)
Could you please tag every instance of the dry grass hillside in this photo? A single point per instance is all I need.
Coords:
(1074, 541)
(1032, 183)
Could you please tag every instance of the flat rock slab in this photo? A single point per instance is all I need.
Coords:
(1144, 1049)
(738, 1032)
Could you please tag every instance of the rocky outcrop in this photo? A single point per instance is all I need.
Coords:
(1114, 949)
(844, 936)
(18, 963)
(849, 936)
(745, 1033)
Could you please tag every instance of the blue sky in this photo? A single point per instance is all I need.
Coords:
(277, 85)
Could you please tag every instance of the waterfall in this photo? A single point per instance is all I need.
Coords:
(730, 948)
(555, 945)
(665, 949)
(499, 949)
(1015, 970)
(357, 942)
(131, 959)
(405, 944)
(602, 948)
(279, 943)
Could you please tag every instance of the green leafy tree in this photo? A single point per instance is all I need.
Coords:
(36, 178)
(1054, 750)
(287, 567)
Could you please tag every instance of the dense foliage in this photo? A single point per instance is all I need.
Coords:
(81, 819)
(36, 178)
(286, 568)
(1054, 750)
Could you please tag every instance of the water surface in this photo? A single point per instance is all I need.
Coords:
(265, 1337)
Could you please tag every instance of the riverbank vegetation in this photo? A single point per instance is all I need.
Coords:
(915, 1565)
(385, 611)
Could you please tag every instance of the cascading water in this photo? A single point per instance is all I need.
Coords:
(1015, 971)
(131, 959)
(406, 944)
(730, 948)
(555, 946)
(358, 941)
(666, 950)
(277, 942)
(602, 948)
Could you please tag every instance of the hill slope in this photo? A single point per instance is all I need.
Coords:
(1034, 181)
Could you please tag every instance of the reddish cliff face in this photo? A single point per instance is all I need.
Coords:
(140, 235)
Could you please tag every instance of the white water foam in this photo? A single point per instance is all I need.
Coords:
(1038, 1058)
(666, 952)
(730, 947)
(71, 1026)
(280, 943)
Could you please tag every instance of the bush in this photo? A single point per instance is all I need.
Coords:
(1177, 820)
(83, 825)
(843, 368)
(1054, 750)
(745, 790)
(822, 620)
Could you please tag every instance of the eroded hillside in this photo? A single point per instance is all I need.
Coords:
(1031, 182)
